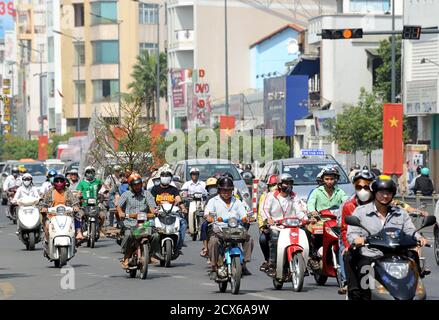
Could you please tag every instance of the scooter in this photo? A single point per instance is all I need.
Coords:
(167, 224)
(29, 225)
(61, 242)
(90, 222)
(140, 259)
(233, 256)
(195, 215)
(326, 233)
(292, 252)
(395, 273)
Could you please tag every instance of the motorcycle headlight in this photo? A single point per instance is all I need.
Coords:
(233, 223)
(397, 270)
(292, 222)
(61, 210)
(91, 201)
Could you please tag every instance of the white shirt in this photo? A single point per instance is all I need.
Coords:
(219, 207)
(195, 187)
(278, 207)
(46, 186)
(11, 182)
(23, 191)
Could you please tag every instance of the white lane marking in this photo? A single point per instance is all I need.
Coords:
(179, 277)
(259, 295)
(207, 284)
(102, 257)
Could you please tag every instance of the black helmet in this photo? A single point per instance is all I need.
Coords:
(331, 171)
(225, 183)
(248, 167)
(15, 170)
(383, 183)
(363, 174)
(365, 168)
(59, 177)
(228, 174)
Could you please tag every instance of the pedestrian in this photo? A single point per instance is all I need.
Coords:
(424, 183)
(413, 182)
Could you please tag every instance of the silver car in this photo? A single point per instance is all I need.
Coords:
(210, 167)
(304, 171)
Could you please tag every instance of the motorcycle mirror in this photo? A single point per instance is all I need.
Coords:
(428, 221)
(4, 175)
(355, 221)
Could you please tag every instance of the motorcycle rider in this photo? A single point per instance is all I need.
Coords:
(89, 187)
(374, 216)
(212, 191)
(264, 230)
(363, 195)
(26, 189)
(135, 200)
(278, 205)
(58, 195)
(165, 192)
(111, 185)
(194, 185)
(73, 179)
(13, 180)
(223, 205)
(48, 184)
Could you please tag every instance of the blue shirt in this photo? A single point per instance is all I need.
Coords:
(220, 208)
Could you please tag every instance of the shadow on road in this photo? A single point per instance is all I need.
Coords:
(14, 275)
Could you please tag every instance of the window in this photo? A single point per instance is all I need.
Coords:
(148, 13)
(79, 90)
(50, 49)
(104, 12)
(105, 90)
(79, 54)
(79, 14)
(105, 51)
(150, 47)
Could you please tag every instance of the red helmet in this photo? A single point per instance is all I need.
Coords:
(134, 178)
(272, 179)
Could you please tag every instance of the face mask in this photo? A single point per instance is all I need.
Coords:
(213, 191)
(27, 183)
(89, 176)
(157, 182)
(286, 189)
(363, 195)
(59, 186)
(165, 180)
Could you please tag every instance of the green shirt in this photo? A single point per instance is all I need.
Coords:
(89, 189)
(319, 199)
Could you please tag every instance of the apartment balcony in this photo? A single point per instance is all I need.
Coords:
(180, 3)
(182, 40)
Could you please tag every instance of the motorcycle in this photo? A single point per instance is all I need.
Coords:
(195, 215)
(29, 225)
(167, 224)
(12, 214)
(90, 222)
(326, 233)
(61, 242)
(233, 256)
(395, 272)
(141, 257)
(292, 252)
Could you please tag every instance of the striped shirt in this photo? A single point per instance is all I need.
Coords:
(135, 203)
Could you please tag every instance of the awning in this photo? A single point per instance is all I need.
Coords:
(306, 66)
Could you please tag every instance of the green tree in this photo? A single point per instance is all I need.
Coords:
(14, 148)
(383, 83)
(144, 85)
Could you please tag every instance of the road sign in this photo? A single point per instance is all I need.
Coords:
(6, 90)
(411, 32)
(312, 152)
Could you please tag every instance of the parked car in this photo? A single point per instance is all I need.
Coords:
(304, 171)
(210, 167)
(55, 164)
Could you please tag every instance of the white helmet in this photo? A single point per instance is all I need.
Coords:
(26, 176)
(194, 170)
(90, 168)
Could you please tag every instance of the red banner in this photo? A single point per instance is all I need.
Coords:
(393, 151)
(119, 134)
(157, 129)
(43, 142)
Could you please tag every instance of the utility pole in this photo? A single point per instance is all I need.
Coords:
(393, 54)
(226, 57)
(158, 63)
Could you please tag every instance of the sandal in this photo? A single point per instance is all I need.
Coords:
(124, 265)
(204, 253)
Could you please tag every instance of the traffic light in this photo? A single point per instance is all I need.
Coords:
(411, 32)
(342, 33)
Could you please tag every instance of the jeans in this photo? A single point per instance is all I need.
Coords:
(264, 242)
(341, 261)
(204, 231)
(183, 228)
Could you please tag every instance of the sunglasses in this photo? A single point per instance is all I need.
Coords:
(358, 188)
(27, 179)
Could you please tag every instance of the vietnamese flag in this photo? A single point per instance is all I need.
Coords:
(43, 142)
(393, 154)
(227, 123)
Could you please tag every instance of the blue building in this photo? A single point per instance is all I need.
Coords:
(269, 55)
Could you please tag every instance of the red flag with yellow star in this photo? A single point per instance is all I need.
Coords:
(393, 153)
(43, 142)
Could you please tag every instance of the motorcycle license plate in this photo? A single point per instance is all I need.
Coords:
(141, 216)
(28, 211)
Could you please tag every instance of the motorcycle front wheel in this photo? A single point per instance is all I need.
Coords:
(222, 286)
(31, 241)
(297, 269)
(62, 256)
(144, 259)
(168, 253)
(235, 282)
(92, 234)
(436, 244)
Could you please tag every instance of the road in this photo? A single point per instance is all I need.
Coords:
(97, 275)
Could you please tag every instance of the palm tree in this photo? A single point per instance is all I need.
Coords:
(144, 85)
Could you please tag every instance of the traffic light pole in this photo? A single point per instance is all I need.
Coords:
(396, 32)
(393, 54)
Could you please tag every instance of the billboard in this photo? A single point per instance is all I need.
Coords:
(322, 121)
(285, 100)
(178, 88)
(7, 17)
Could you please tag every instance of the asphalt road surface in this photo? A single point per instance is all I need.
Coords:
(97, 275)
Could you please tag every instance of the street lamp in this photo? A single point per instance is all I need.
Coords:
(77, 40)
(158, 6)
(424, 60)
(40, 52)
(118, 22)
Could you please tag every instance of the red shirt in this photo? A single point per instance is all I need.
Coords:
(348, 209)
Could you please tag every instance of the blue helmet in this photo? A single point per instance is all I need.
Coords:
(51, 173)
(425, 171)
